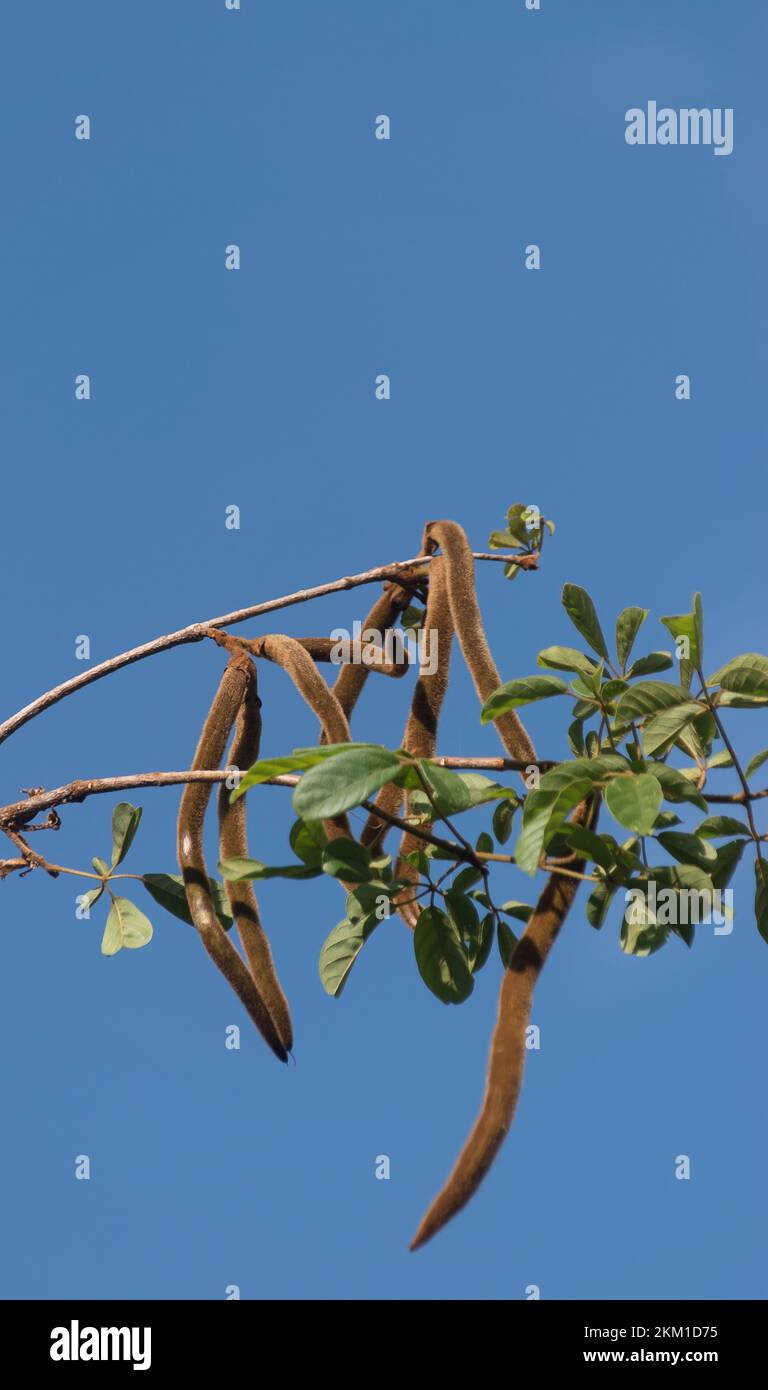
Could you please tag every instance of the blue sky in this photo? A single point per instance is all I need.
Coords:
(255, 388)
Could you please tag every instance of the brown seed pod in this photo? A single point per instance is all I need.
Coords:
(507, 1056)
(420, 735)
(369, 657)
(288, 653)
(470, 631)
(428, 695)
(382, 618)
(233, 844)
(194, 802)
(321, 649)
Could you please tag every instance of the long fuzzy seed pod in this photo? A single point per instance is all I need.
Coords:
(382, 618)
(370, 657)
(194, 802)
(429, 693)
(507, 1056)
(420, 737)
(470, 631)
(291, 656)
(233, 844)
(323, 649)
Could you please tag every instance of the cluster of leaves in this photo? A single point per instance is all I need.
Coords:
(525, 530)
(622, 732)
(639, 724)
(126, 925)
(452, 941)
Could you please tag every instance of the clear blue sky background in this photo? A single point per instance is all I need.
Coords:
(212, 1167)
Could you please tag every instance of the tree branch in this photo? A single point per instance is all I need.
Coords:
(18, 813)
(197, 631)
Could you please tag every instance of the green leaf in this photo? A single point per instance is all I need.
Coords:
(480, 947)
(126, 926)
(675, 786)
(662, 730)
(761, 897)
(685, 625)
(722, 759)
(347, 859)
(101, 866)
(467, 878)
(520, 911)
(649, 697)
(581, 611)
(125, 823)
(591, 685)
(745, 675)
(598, 903)
(308, 840)
(237, 869)
(341, 782)
(267, 768)
(628, 624)
(634, 801)
(503, 816)
(566, 659)
(648, 665)
(92, 896)
(340, 950)
(505, 540)
(482, 790)
(366, 900)
(718, 827)
(449, 793)
(463, 914)
(558, 792)
(601, 849)
(731, 699)
(756, 762)
(688, 849)
(516, 519)
(685, 877)
(612, 690)
(728, 857)
(168, 891)
(641, 934)
(521, 692)
(576, 738)
(441, 958)
(584, 709)
(507, 943)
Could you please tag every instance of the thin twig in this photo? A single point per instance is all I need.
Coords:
(195, 632)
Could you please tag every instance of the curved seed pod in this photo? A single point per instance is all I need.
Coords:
(233, 844)
(470, 632)
(194, 802)
(421, 729)
(289, 653)
(383, 616)
(507, 1057)
(370, 657)
(319, 648)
